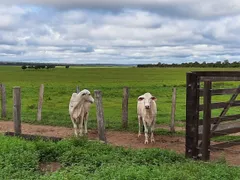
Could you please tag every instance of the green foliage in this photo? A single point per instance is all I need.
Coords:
(17, 159)
(226, 138)
(82, 159)
(47, 151)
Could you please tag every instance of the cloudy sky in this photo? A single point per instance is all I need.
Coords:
(119, 31)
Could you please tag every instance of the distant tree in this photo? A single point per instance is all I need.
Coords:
(219, 64)
(24, 67)
(50, 66)
(67, 67)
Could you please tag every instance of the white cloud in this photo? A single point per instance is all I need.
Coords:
(186, 8)
(33, 33)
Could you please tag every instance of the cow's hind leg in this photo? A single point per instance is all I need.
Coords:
(139, 125)
(81, 126)
(85, 123)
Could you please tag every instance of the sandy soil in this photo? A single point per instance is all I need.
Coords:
(126, 139)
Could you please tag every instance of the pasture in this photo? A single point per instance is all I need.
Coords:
(81, 159)
(60, 83)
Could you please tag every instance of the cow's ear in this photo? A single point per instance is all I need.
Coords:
(154, 98)
(140, 98)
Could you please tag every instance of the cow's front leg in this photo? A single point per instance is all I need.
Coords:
(145, 131)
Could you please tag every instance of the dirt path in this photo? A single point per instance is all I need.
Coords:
(125, 139)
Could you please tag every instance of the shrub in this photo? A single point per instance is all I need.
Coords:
(17, 158)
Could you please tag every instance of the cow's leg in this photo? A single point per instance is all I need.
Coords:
(81, 126)
(145, 131)
(74, 127)
(152, 130)
(85, 123)
(139, 125)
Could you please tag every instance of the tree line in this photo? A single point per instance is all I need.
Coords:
(40, 67)
(219, 64)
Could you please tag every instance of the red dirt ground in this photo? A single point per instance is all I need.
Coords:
(125, 139)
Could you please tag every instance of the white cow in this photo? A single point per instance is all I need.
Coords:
(147, 112)
(79, 110)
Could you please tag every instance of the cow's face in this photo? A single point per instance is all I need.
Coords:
(147, 98)
(86, 95)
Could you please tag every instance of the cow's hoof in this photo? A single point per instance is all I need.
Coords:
(139, 134)
(152, 140)
(146, 142)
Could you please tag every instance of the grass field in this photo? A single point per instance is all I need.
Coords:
(60, 83)
(80, 159)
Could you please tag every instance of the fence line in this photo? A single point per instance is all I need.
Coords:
(99, 109)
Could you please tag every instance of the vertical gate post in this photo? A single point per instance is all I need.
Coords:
(192, 115)
(206, 121)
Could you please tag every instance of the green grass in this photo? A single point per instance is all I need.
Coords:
(60, 83)
(82, 159)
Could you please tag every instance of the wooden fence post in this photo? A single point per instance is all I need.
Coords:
(77, 89)
(125, 107)
(192, 115)
(17, 110)
(174, 93)
(100, 115)
(4, 101)
(206, 121)
(40, 102)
